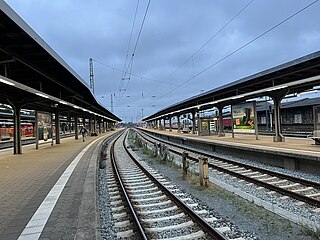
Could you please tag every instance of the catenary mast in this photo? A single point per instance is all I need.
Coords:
(91, 75)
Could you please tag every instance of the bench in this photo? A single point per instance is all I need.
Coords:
(5, 138)
(185, 130)
(316, 137)
(316, 140)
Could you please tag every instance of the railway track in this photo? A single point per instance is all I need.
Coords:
(302, 190)
(155, 208)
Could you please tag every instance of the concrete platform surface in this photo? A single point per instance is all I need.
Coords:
(305, 146)
(26, 180)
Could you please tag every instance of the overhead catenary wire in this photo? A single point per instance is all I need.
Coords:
(144, 18)
(203, 45)
(206, 43)
(130, 65)
(133, 23)
(240, 48)
(162, 82)
(129, 43)
(212, 37)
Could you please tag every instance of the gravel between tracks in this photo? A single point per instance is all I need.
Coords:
(243, 213)
(106, 226)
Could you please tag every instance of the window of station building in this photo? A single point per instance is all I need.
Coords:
(263, 120)
(298, 118)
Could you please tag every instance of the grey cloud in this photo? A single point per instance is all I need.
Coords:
(173, 31)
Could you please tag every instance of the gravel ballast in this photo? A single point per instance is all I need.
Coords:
(254, 221)
(244, 214)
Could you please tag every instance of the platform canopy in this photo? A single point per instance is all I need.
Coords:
(292, 77)
(33, 75)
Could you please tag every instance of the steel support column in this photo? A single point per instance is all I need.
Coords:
(95, 124)
(57, 127)
(221, 130)
(76, 133)
(178, 116)
(69, 124)
(17, 146)
(99, 125)
(194, 113)
(277, 97)
(104, 126)
(36, 129)
(83, 122)
(170, 123)
(90, 126)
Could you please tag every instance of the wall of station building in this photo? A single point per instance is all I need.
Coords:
(298, 119)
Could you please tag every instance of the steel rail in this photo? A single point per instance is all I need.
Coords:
(295, 195)
(194, 216)
(133, 213)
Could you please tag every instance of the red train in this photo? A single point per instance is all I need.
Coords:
(6, 130)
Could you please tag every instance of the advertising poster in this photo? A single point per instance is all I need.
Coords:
(243, 117)
(204, 126)
(44, 126)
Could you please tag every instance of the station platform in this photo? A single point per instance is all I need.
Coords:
(49, 193)
(291, 144)
(294, 153)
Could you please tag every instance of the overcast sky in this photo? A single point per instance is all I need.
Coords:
(173, 31)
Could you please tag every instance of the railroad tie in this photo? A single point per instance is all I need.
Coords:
(117, 209)
(223, 229)
(190, 236)
(171, 227)
(317, 210)
(115, 203)
(314, 194)
(153, 204)
(211, 219)
(158, 210)
(290, 185)
(151, 220)
(122, 224)
(302, 189)
(125, 234)
(149, 199)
